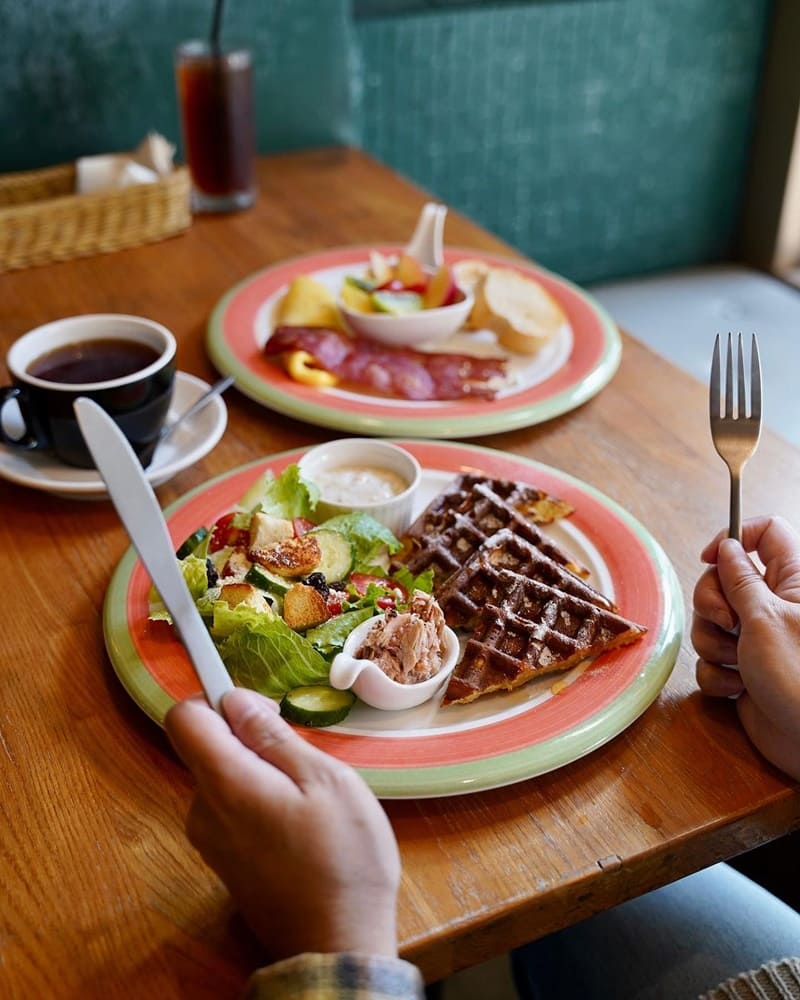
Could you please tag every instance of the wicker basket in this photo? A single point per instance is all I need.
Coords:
(43, 220)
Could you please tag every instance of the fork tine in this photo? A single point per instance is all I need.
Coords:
(741, 388)
(714, 384)
(755, 380)
(729, 380)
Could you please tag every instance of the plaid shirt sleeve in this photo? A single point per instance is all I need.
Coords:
(342, 976)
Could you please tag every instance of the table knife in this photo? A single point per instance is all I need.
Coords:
(140, 513)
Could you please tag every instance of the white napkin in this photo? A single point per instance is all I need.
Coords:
(151, 160)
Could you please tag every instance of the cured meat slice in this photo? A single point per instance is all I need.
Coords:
(393, 371)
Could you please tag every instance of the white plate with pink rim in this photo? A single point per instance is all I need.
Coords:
(427, 751)
(578, 363)
(193, 439)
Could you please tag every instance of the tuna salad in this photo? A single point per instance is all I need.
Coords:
(407, 645)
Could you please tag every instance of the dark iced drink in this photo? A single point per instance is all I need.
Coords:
(215, 91)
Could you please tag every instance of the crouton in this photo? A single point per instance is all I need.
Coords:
(235, 594)
(304, 607)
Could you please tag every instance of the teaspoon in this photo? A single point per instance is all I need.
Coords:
(208, 395)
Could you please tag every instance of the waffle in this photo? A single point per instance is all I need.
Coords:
(461, 496)
(485, 579)
(459, 521)
(537, 630)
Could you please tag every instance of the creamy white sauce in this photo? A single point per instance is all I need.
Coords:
(359, 484)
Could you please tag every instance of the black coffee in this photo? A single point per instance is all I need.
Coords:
(93, 361)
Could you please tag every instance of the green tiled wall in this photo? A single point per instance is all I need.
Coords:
(603, 138)
(85, 76)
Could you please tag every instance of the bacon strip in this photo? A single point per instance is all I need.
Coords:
(394, 371)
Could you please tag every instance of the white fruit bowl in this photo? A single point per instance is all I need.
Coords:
(414, 329)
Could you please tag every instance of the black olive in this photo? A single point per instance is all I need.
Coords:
(318, 582)
(211, 573)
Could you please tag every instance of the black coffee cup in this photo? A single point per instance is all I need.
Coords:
(126, 364)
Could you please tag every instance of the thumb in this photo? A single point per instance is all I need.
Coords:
(742, 584)
(256, 723)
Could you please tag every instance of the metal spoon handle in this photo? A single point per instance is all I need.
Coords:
(197, 405)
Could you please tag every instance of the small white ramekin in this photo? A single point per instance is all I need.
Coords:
(395, 512)
(369, 683)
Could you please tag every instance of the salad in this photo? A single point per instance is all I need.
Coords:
(280, 591)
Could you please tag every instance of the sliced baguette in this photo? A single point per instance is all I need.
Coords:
(519, 310)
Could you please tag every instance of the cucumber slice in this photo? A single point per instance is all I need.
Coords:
(361, 283)
(397, 303)
(316, 705)
(192, 542)
(261, 577)
(337, 555)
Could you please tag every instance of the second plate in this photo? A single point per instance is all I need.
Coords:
(572, 369)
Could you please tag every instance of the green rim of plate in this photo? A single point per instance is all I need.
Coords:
(525, 415)
(452, 779)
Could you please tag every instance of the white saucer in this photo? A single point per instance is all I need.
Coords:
(187, 444)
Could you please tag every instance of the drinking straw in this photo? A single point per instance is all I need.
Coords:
(216, 24)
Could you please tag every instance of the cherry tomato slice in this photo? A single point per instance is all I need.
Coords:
(224, 533)
(302, 526)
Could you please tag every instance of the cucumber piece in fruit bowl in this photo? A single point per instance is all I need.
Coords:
(316, 705)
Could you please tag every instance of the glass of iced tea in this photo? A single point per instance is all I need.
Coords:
(215, 94)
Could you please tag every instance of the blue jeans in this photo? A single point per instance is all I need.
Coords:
(672, 944)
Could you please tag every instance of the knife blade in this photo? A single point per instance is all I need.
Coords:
(140, 513)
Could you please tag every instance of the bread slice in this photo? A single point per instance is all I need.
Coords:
(469, 274)
(518, 309)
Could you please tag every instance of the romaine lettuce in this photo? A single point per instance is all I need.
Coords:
(224, 619)
(195, 574)
(329, 637)
(406, 578)
(269, 657)
(287, 495)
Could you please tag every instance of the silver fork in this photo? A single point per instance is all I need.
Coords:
(734, 431)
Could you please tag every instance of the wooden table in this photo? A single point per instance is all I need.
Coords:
(99, 890)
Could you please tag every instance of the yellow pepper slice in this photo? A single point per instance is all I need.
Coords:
(300, 365)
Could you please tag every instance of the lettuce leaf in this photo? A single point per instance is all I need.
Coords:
(329, 638)
(370, 539)
(225, 619)
(406, 578)
(269, 657)
(287, 495)
(195, 575)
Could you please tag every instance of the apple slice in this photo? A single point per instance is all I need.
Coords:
(382, 271)
(357, 298)
(409, 271)
(441, 290)
(397, 303)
